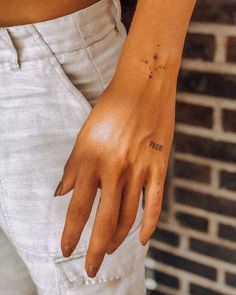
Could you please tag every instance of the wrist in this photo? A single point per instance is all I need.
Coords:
(134, 74)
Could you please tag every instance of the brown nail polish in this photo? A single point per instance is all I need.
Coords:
(144, 242)
(110, 250)
(58, 189)
(67, 250)
(92, 271)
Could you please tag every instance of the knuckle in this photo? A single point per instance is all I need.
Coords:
(126, 222)
(120, 170)
(162, 169)
(88, 157)
(121, 161)
(96, 256)
(69, 167)
(105, 226)
(77, 212)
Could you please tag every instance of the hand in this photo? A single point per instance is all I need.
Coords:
(123, 147)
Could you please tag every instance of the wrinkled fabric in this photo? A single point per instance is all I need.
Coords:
(51, 74)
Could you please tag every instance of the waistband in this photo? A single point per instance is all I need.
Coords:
(65, 33)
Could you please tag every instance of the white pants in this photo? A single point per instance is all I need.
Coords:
(51, 73)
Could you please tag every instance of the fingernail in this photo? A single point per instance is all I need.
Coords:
(144, 242)
(58, 189)
(67, 250)
(110, 250)
(92, 271)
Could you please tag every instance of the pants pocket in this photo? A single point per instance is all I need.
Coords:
(61, 75)
(122, 263)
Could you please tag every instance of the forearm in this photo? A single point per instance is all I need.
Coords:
(154, 45)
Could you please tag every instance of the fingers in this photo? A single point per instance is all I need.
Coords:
(104, 226)
(78, 211)
(152, 208)
(128, 211)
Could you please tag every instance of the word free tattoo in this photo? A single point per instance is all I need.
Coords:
(154, 145)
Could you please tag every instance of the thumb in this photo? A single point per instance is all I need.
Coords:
(67, 182)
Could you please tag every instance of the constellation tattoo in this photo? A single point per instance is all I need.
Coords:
(156, 146)
(156, 65)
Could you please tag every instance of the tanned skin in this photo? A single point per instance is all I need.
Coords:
(20, 12)
(125, 142)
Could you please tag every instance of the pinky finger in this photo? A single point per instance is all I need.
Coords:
(152, 208)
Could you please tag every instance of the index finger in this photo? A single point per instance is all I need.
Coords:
(78, 211)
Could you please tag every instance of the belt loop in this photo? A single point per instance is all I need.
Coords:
(117, 14)
(13, 59)
(38, 38)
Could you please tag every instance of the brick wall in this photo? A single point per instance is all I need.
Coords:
(194, 249)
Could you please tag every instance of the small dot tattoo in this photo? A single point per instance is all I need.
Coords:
(155, 67)
(149, 67)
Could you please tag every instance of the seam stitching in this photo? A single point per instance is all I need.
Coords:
(90, 58)
(5, 215)
(55, 64)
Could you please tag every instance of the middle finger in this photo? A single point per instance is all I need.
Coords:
(104, 225)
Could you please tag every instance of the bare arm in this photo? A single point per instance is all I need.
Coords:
(124, 144)
(154, 45)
